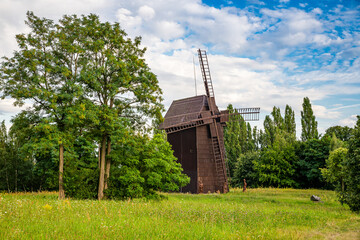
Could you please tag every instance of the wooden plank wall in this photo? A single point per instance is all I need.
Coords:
(205, 159)
(184, 146)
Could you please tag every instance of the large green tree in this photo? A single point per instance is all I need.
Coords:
(116, 79)
(15, 170)
(4, 158)
(45, 70)
(308, 122)
(81, 70)
(335, 168)
(351, 193)
(342, 133)
(232, 139)
(312, 157)
(289, 123)
(276, 164)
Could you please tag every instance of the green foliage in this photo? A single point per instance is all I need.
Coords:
(38, 148)
(335, 143)
(89, 85)
(239, 138)
(308, 123)
(289, 124)
(233, 139)
(82, 173)
(276, 165)
(15, 171)
(142, 166)
(244, 169)
(278, 120)
(312, 156)
(342, 133)
(335, 169)
(351, 194)
(269, 132)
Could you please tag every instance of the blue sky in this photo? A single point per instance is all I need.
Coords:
(261, 53)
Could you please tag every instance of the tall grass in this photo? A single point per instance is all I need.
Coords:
(255, 214)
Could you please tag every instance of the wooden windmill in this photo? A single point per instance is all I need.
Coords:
(194, 128)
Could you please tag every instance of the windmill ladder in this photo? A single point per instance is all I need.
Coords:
(219, 161)
(205, 71)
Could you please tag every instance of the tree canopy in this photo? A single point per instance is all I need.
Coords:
(86, 81)
(308, 122)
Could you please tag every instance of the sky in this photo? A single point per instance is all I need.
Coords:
(261, 53)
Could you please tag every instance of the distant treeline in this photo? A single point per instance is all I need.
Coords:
(273, 157)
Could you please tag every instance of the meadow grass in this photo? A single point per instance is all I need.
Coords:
(256, 214)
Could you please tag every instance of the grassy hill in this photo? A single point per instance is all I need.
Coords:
(255, 214)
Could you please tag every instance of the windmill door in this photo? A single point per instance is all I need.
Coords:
(184, 146)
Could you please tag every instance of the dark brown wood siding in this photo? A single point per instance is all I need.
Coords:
(184, 146)
(206, 163)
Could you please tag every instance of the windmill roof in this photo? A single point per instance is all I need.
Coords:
(184, 110)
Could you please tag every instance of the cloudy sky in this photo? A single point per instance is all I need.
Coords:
(261, 53)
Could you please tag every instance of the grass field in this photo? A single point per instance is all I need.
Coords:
(255, 214)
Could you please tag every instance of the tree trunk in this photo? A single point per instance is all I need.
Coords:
(99, 160)
(7, 176)
(108, 163)
(342, 185)
(61, 172)
(102, 169)
(16, 175)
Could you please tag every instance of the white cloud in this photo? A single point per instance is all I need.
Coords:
(350, 121)
(168, 30)
(7, 106)
(338, 107)
(127, 20)
(146, 12)
(323, 112)
(317, 11)
(258, 2)
(255, 59)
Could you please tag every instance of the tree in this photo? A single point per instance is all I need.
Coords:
(278, 119)
(335, 168)
(244, 169)
(342, 133)
(81, 70)
(289, 123)
(308, 123)
(15, 170)
(4, 161)
(269, 132)
(335, 143)
(312, 156)
(351, 194)
(45, 70)
(276, 165)
(116, 80)
(36, 148)
(231, 139)
(143, 166)
(277, 126)
(250, 139)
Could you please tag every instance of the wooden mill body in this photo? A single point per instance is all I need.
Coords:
(194, 128)
(193, 143)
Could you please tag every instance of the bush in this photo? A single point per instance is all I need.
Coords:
(143, 166)
(244, 169)
(351, 194)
